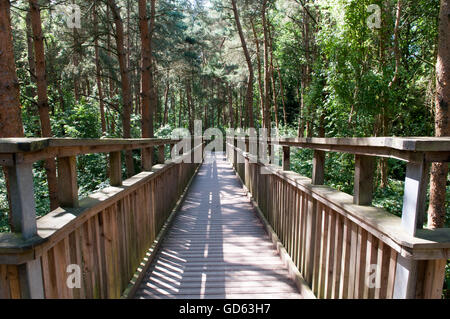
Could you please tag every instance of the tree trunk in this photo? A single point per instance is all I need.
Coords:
(98, 72)
(382, 126)
(108, 50)
(30, 55)
(125, 81)
(62, 105)
(153, 88)
(301, 122)
(147, 115)
(267, 108)
(173, 107)
(43, 106)
(439, 171)
(282, 96)
(272, 79)
(166, 103)
(230, 107)
(180, 111)
(305, 79)
(76, 62)
(396, 43)
(251, 76)
(190, 107)
(258, 61)
(10, 114)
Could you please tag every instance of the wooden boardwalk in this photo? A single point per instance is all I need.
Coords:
(217, 247)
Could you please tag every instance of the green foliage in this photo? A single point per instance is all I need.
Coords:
(341, 77)
(4, 208)
(80, 121)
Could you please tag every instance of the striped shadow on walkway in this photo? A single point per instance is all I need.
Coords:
(216, 247)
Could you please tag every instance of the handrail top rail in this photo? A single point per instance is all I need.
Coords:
(15, 249)
(58, 219)
(409, 149)
(25, 145)
(415, 144)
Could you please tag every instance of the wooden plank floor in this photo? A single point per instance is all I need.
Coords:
(217, 247)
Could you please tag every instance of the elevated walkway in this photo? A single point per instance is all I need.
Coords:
(217, 247)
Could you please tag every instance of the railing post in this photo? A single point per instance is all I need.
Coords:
(147, 158)
(405, 278)
(23, 218)
(115, 177)
(318, 175)
(227, 148)
(286, 158)
(364, 169)
(23, 206)
(31, 283)
(161, 155)
(67, 182)
(416, 184)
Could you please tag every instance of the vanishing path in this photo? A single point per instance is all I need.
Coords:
(217, 246)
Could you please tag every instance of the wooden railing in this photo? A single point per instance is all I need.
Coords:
(339, 244)
(106, 234)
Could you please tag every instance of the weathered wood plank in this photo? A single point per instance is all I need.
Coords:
(212, 247)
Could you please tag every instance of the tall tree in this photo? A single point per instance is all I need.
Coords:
(153, 87)
(397, 52)
(125, 82)
(166, 103)
(272, 79)
(146, 69)
(267, 77)
(43, 106)
(10, 113)
(30, 54)
(98, 70)
(258, 65)
(251, 76)
(439, 171)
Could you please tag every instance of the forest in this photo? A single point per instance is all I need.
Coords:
(302, 68)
